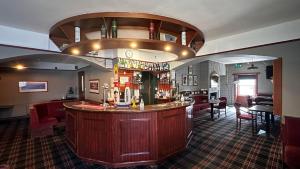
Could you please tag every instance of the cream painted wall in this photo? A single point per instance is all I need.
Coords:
(58, 84)
(92, 72)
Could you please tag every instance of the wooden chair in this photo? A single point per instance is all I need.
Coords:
(222, 105)
(245, 116)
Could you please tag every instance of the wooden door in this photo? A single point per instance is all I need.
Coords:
(81, 85)
(277, 86)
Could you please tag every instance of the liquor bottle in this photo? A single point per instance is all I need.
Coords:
(114, 31)
(157, 35)
(151, 30)
(77, 34)
(183, 38)
(142, 104)
(103, 32)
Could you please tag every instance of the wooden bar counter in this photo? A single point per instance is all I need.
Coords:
(127, 137)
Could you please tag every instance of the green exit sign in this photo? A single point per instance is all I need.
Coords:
(238, 65)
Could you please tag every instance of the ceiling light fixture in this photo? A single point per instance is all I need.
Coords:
(19, 67)
(96, 46)
(184, 53)
(75, 51)
(133, 45)
(168, 48)
(252, 67)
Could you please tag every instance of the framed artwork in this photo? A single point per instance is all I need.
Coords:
(190, 80)
(190, 69)
(33, 86)
(94, 86)
(184, 80)
(195, 78)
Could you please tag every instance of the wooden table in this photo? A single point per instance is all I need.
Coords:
(212, 103)
(268, 103)
(268, 110)
(6, 106)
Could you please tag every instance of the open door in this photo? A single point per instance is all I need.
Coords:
(277, 86)
(81, 85)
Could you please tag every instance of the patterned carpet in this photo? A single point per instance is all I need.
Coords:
(215, 144)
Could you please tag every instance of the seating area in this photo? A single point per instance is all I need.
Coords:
(43, 116)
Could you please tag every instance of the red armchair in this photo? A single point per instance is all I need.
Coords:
(291, 142)
(201, 103)
(44, 116)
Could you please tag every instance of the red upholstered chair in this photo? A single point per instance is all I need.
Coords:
(201, 103)
(291, 142)
(245, 116)
(56, 109)
(222, 105)
(40, 123)
(44, 116)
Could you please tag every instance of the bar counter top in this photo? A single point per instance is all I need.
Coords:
(92, 107)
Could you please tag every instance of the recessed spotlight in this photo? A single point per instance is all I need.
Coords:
(75, 51)
(168, 48)
(184, 53)
(133, 45)
(19, 67)
(96, 46)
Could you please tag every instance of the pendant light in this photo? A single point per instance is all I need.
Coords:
(252, 67)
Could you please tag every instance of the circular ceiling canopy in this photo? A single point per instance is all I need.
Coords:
(83, 34)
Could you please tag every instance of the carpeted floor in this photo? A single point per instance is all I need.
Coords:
(215, 144)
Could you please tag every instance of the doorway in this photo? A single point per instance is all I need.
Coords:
(148, 88)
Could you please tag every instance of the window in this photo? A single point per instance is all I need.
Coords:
(247, 87)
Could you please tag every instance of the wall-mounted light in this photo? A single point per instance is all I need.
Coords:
(75, 51)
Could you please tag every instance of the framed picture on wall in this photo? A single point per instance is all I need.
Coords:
(33, 86)
(190, 80)
(195, 80)
(184, 80)
(190, 69)
(94, 86)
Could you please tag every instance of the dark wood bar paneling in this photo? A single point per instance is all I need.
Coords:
(71, 129)
(171, 131)
(125, 137)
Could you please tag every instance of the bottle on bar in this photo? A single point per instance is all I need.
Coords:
(77, 34)
(114, 31)
(103, 32)
(183, 38)
(151, 30)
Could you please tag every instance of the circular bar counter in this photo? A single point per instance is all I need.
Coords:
(127, 137)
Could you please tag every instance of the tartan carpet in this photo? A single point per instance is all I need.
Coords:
(215, 144)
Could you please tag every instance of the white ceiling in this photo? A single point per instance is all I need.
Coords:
(232, 59)
(216, 18)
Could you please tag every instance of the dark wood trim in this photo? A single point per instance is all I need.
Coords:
(277, 86)
(86, 46)
(251, 47)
